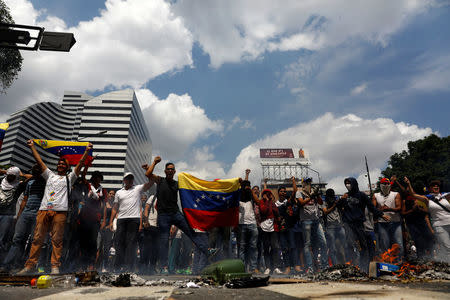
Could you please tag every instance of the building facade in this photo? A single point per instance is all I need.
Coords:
(112, 122)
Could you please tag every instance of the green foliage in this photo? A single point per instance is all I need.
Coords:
(10, 59)
(425, 160)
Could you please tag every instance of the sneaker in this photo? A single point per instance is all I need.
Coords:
(25, 271)
(277, 271)
(267, 271)
(55, 271)
(255, 271)
(287, 271)
(164, 271)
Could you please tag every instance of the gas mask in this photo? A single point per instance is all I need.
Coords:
(348, 186)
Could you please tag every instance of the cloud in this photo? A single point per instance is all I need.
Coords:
(358, 89)
(234, 31)
(336, 146)
(175, 123)
(129, 43)
(433, 74)
(202, 165)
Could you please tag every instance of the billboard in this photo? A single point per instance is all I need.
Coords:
(276, 153)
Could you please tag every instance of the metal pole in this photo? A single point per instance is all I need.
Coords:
(368, 176)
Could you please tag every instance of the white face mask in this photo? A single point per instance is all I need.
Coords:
(348, 186)
(385, 189)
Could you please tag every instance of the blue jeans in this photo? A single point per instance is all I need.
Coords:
(313, 233)
(335, 234)
(6, 229)
(390, 233)
(24, 227)
(248, 238)
(289, 248)
(200, 258)
(165, 221)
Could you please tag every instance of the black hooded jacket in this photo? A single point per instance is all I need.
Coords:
(353, 208)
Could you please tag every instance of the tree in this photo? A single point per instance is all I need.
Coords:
(10, 59)
(425, 160)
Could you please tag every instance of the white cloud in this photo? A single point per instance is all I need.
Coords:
(235, 30)
(129, 43)
(433, 74)
(175, 123)
(336, 146)
(202, 165)
(358, 89)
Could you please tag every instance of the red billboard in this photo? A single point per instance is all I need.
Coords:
(276, 153)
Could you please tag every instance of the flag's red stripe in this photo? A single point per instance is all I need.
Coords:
(205, 220)
(75, 158)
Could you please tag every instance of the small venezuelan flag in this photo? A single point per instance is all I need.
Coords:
(72, 151)
(3, 128)
(208, 204)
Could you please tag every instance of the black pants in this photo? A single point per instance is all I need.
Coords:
(88, 232)
(107, 243)
(149, 255)
(271, 249)
(126, 240)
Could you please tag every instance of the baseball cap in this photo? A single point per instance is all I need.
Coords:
(128, 174)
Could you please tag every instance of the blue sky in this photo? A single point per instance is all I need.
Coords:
(254, 76)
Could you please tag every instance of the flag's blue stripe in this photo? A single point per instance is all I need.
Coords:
(66, 150)
(210, 201)
(2, 134)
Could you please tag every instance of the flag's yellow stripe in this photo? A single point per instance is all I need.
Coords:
(189, 182)
(46, 144)
(4, 126)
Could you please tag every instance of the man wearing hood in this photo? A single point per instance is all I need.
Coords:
(353, 205)
(10, 190)
(389, 202)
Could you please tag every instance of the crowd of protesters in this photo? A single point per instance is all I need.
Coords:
(58, 221)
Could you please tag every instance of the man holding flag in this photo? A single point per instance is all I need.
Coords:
(169, 213)
(52, 213)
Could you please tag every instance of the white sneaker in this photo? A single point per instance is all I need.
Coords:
(277, 271)
(55, 271)
(267, 271)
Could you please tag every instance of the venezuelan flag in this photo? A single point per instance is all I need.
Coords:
(72, 151)
(208, 204)
(3, 128)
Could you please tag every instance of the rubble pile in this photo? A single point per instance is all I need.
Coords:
(131, 279)
(424, 270)
(340, 272)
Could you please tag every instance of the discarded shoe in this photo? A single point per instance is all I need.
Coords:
(25, 271)
(277, 271)
(267, 271)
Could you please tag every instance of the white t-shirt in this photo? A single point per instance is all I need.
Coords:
(129, 202)
(439, 217)
(55, 193)
(246, 213)
(152, 213)
(389, 201)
